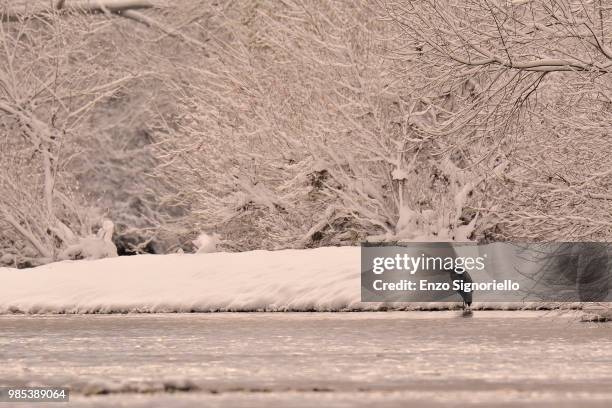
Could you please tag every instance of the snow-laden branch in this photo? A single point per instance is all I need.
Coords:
(27, 235)
(17, 13)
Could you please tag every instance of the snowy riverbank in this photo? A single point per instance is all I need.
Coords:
(322, 279)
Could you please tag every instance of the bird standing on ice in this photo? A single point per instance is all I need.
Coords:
(466, 296)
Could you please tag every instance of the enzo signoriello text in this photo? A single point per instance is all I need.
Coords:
(458, 285)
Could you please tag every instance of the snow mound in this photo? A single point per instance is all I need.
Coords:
(323, 279)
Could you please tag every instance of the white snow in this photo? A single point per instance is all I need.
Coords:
(206, 243)
(97, 246)
(322, 279)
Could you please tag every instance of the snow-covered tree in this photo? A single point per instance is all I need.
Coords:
(297, 129)
(54, 75)
(530, 82)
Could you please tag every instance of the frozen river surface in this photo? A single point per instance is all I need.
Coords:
(385, 359)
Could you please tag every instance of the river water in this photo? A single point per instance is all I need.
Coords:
(494, 358)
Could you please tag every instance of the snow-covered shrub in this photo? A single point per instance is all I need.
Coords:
(96, 246)
(206, 243)
(40, 205)
(535, 102)
(298, 131)
(53, 130)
